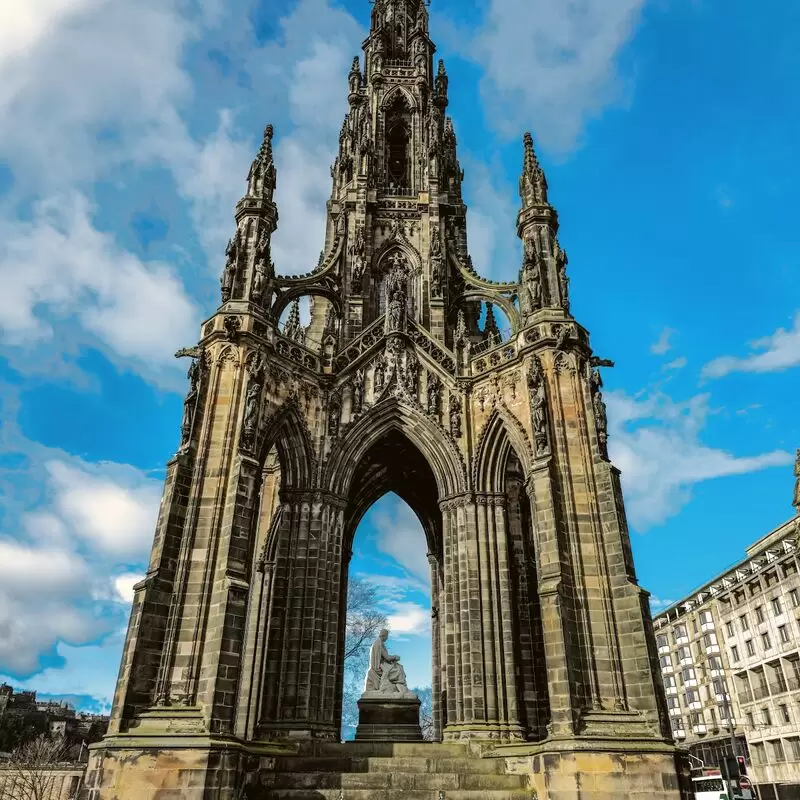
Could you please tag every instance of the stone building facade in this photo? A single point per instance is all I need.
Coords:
(730, 662)
(544, 652)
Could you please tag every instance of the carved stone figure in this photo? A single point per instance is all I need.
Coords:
(251, 409)
(334, 416)
(434, 393)
(601, 418)
(380, 373)
(358, 392)
(455, 418)
(229, 273)
(359, 250)
(259, 281)
(397, 311)
(190, 403)
(538, 394)
(412, 373)
(563, 278)
(385, 674)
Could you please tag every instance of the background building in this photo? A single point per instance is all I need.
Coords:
(730, 662)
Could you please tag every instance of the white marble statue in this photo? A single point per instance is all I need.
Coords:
(385, 675)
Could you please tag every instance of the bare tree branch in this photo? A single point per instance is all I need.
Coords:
(31, 772)
(364, 623)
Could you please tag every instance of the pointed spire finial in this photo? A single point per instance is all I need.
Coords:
(532, 184)
(796, 501)
(293, 329)
(263, 176)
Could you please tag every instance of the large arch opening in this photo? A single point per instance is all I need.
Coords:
(393, 532)
(388, 585)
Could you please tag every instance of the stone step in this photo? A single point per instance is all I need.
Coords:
(383, 749)
(419, 764)
(449, 781)
(397, 794)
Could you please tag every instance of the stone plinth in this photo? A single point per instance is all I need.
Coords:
(383, 718)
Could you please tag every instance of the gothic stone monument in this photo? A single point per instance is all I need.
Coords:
(543, 647)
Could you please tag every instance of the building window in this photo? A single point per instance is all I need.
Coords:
(783, 632)
(751, 650)
(680, 633)
(694, 625)
(776, 606)
(785, 712)
(665, 661)
(771, 577)
(687, 673)
(662, 640)
(684, 652)
(766, 717)
(751, 723)
(777, 751)
(745, 623)
(715, 662)
(677, 724)
(672, 702)
(794, 746)
(729, 628)
(794, 596)
(695, 718)
(759, 614)
(765, 643)
(734, 653)
(706, 618)
(691, 696)
(757, 753)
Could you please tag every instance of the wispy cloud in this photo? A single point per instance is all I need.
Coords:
(657, 444)
(552, 64)
(779, 351)
(663, 345)
(677, 364)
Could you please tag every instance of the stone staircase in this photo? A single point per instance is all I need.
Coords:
(378, 771)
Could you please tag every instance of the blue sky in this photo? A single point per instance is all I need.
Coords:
(668, 129)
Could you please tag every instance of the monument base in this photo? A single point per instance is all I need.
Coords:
(384, 718)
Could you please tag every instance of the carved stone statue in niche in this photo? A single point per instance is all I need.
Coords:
(380, 373)
(359, 250)
(358, 392)
(563, 278)
(538, 393)
(251, 409)
(259, 282)
(190, 403)
(397, 311)
(229, 273)
(412, 373)
(437, 262)
(455, 418)
(434, 395)
(334, 416)
(599, 409)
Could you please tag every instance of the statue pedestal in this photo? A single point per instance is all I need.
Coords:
(388, 718)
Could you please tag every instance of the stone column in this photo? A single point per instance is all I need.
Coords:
(555, 598)
(305, 619)
(436, 670)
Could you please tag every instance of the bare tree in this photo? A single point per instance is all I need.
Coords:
(32, 772)
(364, 623)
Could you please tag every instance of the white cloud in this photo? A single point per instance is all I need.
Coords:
(780, 351)
(124, 585)
(663, 345)
(656, 443)
(400, 536)
(411, 619)
(106, 507)
(308, 65)
(552, 64)
(58, 267)
(66, 574)
(495, 250)
(677, 364)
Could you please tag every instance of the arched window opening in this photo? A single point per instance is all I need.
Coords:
(398, 148)
(388, 587)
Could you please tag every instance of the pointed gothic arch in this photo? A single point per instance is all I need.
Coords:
(501, 436)
(286, 431)
(390, 415)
